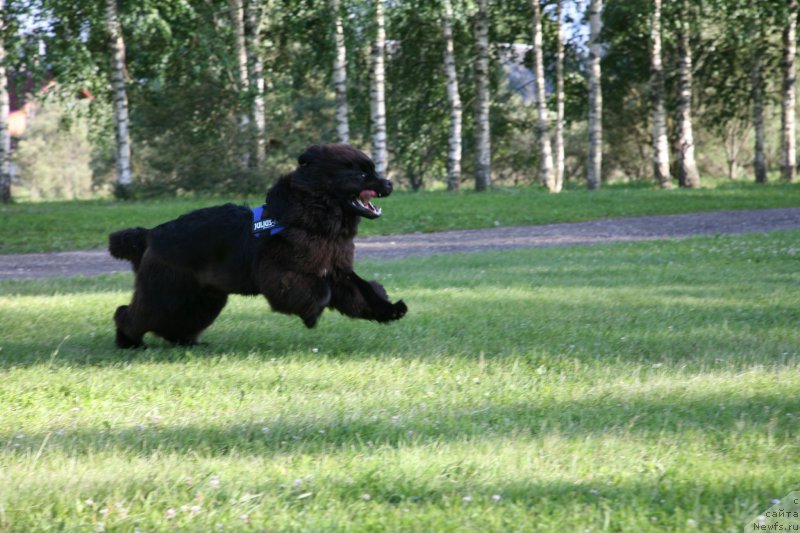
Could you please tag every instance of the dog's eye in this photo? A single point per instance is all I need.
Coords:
(363, 175)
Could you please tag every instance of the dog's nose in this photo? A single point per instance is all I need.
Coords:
(387, 187)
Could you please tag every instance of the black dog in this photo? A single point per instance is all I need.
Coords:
(298, 253)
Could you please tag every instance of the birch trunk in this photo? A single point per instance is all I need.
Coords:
(5, 136)
(121, 125)
(558, 142)
(377, 94)
(542, 129)
(256, 81)
(660, 141)
(595, 162)
(340, 76)
(788, 149)
(483, 149)
(240, 49)
(454, 99)
(687, 167)
(759, 158)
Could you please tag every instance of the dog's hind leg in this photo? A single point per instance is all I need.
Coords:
(196, 310)
(127, 337)
(135, 319)
(170, 303)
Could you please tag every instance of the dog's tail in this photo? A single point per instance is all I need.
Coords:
(128, 244)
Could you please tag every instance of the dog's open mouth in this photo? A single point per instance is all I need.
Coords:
(364, 206)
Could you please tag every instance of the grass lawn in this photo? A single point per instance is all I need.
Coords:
(630, 387)
(53, 226)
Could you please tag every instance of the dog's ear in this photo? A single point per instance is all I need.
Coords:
(311, 155)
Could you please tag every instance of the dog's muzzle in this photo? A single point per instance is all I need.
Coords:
(363, 201)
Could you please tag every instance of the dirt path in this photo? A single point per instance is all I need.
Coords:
(96, 262)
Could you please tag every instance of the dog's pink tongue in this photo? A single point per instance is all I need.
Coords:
(366, 195)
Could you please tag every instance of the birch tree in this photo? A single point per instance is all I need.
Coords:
(5, 137)
(595, 162)
(378, 93)
(121, 124)
(254, 14)
(660, 141)
(243, 80)
(546, 175)
(454, 100)
(340, 76)
(757, 20)
(483, 149)
(789, 86)
(688, 175)
(558, 141)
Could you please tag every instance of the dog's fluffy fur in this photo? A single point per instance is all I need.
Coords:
(186, 268)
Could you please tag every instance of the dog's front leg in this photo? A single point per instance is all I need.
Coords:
(297, 294)
(358, 298)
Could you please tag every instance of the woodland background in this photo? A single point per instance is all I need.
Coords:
(221, 95)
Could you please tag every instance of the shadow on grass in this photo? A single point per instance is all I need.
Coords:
(446, 496)
(655, 302)
(666, 324)
(717, 416)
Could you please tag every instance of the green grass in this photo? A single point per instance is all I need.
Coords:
(52, 226)
(628, 387)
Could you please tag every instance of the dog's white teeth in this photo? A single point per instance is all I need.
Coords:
(368, 206)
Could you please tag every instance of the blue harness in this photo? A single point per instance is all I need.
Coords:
(260, 225)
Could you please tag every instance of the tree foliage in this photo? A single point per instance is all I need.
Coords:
(184, 97)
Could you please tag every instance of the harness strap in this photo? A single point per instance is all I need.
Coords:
(260, 225)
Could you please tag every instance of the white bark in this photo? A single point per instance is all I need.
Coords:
(788, 98)
(454, 99)
(240, 49)
(256, 81)
(595, 160)
(546, 175)
(378, 94)
(558, 141)
(121, 125)
(660, 141)
(5, 136)
(687, 167)
(483, 148)
(340, 76)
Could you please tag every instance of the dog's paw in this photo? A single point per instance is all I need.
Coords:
(400, 310)
(394, 311)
